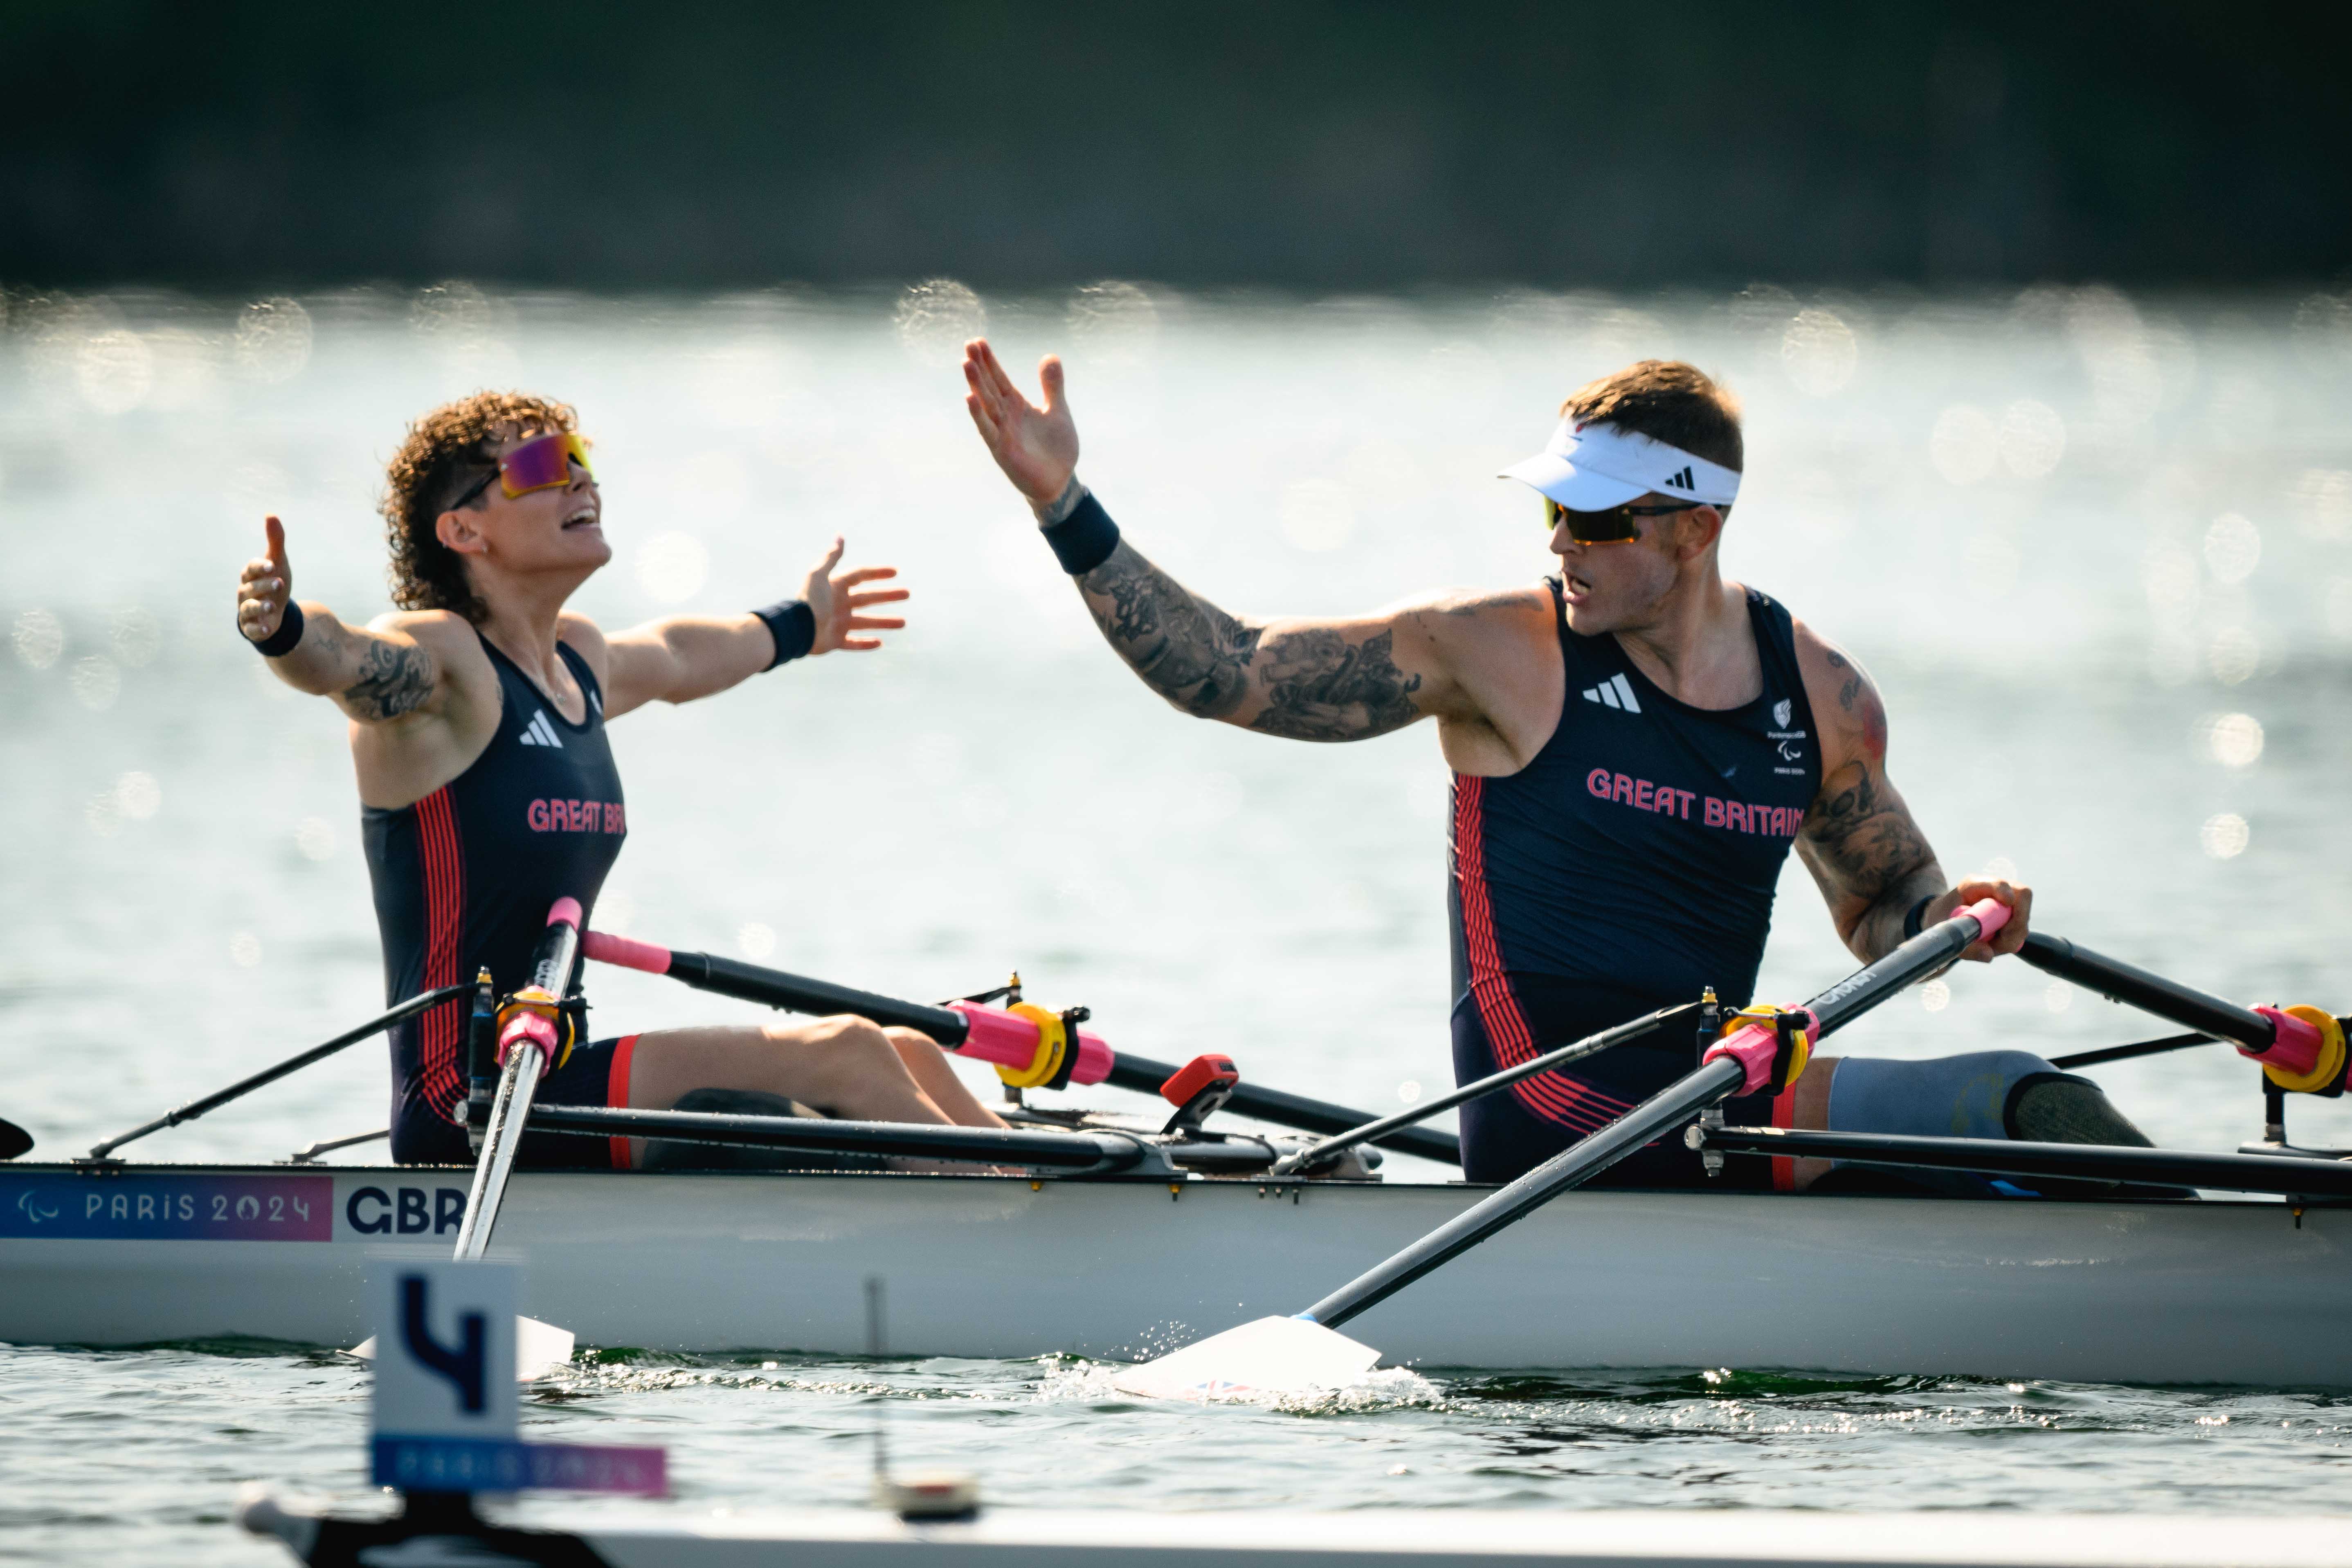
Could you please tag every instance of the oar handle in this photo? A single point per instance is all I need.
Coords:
(2297, 1047)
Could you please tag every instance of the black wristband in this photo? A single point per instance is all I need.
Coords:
(794, 626)
(279, 643)
(1914, 918)
(1084, 539)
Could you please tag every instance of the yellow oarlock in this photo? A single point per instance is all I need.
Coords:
(536, 999)
(2331, 1053)
(1767, 1017)
(1052, 1043)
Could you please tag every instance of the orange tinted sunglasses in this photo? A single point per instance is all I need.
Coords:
(542, 463)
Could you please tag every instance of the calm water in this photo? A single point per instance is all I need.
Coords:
(2097, 550)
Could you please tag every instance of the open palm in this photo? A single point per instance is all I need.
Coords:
(840, 603)
(1036, 447)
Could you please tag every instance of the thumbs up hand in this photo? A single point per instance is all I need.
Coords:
(266, 588)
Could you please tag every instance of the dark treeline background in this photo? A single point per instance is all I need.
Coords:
(692, 145)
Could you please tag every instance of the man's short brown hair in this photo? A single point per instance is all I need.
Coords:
(1667, 400)
(445, 452)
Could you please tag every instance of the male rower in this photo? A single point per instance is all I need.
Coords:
(1635, 742)
(488, 790)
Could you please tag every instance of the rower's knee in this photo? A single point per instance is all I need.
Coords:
(907, 1040)
(844, 1041)
(1977, 1094)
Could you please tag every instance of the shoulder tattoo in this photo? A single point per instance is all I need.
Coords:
(395, 678)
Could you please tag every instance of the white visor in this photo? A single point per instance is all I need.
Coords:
(1593, 467)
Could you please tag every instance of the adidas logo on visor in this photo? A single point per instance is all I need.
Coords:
(540, 733)
(1682, 481)
(1613, 693)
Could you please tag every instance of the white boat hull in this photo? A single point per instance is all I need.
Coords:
(1004, 1267)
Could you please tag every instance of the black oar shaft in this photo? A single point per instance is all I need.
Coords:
(2283, 1174)
(819, 998)
(417, 1003)
(1003, 1146)
(2154, 994)
(1916, 959)
(1668, 1107)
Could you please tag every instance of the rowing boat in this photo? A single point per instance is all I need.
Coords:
(1096, 1235)
(1020, 1266)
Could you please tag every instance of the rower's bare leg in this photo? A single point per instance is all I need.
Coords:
(1811, 1112)
(929, 1066)
(842, 1066)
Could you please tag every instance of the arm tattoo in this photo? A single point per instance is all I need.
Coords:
(1320, 687)
(1870, 841)
(393, 680)
(1186, 649)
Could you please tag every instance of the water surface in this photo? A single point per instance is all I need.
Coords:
(2097, 550)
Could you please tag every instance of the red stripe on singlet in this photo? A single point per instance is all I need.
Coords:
(444, 931)
(1549, 1095)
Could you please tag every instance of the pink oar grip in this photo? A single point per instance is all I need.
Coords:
(2295, 1046)
(627, 952)
(1008, 1039)
(1991, 915)
(1752, 1047)
(566, 913)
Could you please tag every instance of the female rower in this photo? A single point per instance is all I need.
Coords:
(488, 790)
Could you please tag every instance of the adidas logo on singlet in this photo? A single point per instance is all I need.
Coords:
(540, 733)
(1613, 693)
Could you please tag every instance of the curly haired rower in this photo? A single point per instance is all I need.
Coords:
(487, 789)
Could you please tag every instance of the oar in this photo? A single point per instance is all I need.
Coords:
(244, 1086)
(2300, 1048)
(13, 1139)
(527, 1041)
(2289, 1175)
(1275, 1355)
(1590, 1046)
(1033, 1043)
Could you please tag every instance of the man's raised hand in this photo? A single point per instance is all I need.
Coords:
(838, 605)
(266, 588)
(1036, 447)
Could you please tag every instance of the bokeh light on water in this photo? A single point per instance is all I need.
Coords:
(2096, 548)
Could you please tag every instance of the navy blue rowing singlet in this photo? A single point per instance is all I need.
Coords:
(1627, 866)
(464, 878)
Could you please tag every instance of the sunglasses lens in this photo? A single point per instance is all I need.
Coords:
(1611, 527)
(542, 463)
